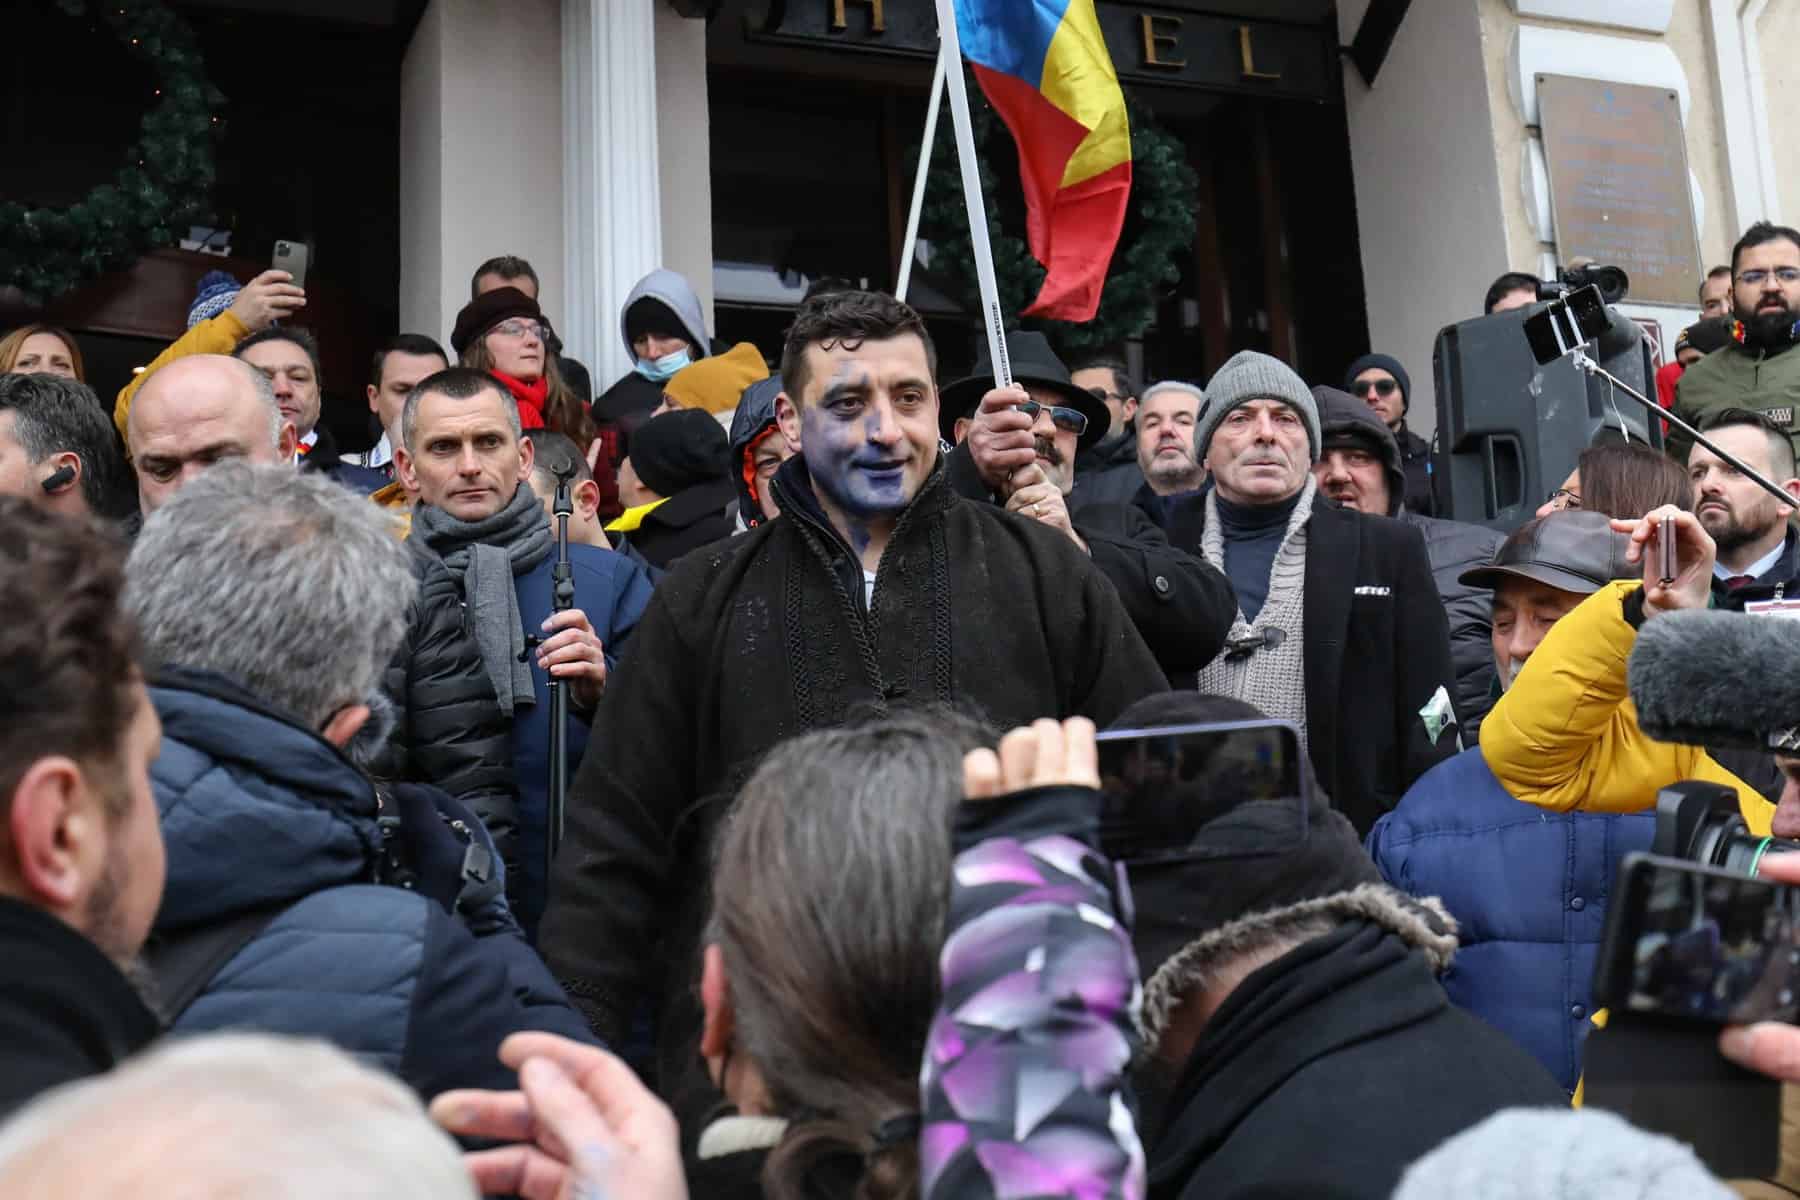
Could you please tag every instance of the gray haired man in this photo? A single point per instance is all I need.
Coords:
(1168, 414)
(271, 602)
(1339, 627)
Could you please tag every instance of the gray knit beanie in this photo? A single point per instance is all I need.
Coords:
(1558, 1154)
(1248, 376)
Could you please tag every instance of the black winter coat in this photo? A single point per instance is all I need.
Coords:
(1329, 1072)
(449, 730)
(1377, 649)
(1181, 605)
(1415, 459)
(1453, 547)
(1108, 473)
(691, 518)
(66, 1011)
(767, 636)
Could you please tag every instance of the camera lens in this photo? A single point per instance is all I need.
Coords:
(1740, 852)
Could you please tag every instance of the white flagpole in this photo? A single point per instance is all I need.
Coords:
(911, 244)
(950, 56)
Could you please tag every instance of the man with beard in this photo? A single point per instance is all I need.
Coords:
(1757, 560)
(877, 588)
(1756, 545)
(1167, 416)
(1754, 370)
(81, 854)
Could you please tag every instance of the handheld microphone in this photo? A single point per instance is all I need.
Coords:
(1718, 679)
(59, 479)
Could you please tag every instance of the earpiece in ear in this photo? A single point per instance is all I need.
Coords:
(59, 479)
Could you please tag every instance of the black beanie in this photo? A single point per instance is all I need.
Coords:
(680, 449)
(1385, 362)
(650, 315)
(1249, 857)
(488, 310)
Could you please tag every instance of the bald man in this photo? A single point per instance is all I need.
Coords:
(197, 411)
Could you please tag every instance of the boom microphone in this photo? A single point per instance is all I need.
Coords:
(1718, 679)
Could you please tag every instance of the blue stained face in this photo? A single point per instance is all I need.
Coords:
(868, 427)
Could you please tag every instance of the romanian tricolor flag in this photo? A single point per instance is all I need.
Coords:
(1044, 66)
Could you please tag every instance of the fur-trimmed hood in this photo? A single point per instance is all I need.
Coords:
(1425, 924)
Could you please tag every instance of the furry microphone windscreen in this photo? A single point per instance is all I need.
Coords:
(1717, 679)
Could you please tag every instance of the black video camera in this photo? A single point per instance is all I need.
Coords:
(1702, 823)
(1612, 282)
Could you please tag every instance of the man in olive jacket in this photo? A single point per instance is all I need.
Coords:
(877, 587)
(1758, 369)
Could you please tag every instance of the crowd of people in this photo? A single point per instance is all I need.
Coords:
(295, 895)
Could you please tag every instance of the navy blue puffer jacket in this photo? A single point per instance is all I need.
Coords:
(1528, 887)
(258, 811)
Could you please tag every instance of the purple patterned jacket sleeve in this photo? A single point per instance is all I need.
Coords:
(1022, 1087)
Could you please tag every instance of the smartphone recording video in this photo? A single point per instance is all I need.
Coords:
(1163, 788)
(1697, 944)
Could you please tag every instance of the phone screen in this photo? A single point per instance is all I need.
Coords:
(1709, 946)
(1165, 788)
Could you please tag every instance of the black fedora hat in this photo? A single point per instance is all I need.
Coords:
(1034, 364)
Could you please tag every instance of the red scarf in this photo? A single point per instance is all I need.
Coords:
(531, 397)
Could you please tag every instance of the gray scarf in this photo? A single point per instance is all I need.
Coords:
(485, 556)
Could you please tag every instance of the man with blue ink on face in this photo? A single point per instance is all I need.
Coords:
(877, 587)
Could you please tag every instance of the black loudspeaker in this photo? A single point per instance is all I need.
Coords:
(1509, 431)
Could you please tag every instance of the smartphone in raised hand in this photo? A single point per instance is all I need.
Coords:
(292, 257)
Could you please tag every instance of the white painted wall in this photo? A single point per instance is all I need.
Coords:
(1427, 185)
(1778, 32)
(481, 154)
(685, 160)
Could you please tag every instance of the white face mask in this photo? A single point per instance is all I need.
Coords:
(1508, 670)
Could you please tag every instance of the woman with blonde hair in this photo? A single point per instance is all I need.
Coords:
(39, 349)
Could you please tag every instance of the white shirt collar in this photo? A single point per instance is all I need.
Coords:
(1755, 570)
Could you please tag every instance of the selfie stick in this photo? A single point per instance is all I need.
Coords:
(562, 598)
(1586, 364)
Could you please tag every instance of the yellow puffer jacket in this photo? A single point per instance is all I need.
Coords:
(1566, 735)
(216, 335)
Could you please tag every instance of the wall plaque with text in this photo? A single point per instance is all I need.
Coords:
(1619, 182)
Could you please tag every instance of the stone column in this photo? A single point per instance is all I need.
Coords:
(612, 209)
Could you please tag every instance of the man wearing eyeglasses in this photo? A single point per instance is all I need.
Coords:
(1379, 381)
(1754, 370)
(1019, 446)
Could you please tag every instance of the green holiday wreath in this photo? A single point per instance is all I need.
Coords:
(164, 182)
(1159, 230)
